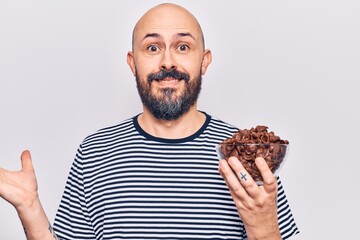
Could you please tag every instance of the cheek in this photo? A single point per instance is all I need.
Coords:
(191, 66)
(146, 65)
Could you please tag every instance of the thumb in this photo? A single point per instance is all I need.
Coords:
(26, 162)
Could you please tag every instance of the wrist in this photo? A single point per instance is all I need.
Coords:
(29, 207)
(266, 233)
(31, 212)
(34, 220)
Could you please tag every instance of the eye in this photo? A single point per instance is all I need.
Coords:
(183, 47)
(152, 48)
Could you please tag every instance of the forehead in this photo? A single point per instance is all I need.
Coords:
(167, 20)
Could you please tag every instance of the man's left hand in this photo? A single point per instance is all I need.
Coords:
(255, 204)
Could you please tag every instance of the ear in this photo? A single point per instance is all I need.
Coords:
(131, 62)
(207, 58)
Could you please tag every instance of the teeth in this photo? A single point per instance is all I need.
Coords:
(169, 79)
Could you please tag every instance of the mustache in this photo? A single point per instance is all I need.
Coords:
(173, 73)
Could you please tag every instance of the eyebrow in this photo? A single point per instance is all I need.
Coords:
(186, 34)
(181, 34)
(152, 35)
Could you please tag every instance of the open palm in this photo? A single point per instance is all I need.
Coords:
(19, 187)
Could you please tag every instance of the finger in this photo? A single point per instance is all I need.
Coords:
(244, 177)
(269, 178)
(26, 162)
(232, 181)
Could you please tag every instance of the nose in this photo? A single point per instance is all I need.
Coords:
(168, 61)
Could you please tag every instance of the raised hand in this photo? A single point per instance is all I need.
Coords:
(19, 188)
(256, 205)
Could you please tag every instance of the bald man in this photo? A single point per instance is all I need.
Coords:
(156, 175)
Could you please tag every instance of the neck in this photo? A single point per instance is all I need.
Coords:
(185, 126)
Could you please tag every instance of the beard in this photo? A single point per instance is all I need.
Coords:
(168, 106)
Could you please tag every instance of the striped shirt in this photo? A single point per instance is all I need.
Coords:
(127, 184)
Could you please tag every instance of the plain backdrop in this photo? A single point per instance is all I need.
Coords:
(291, 65)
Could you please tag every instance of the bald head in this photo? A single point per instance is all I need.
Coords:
(167, 16)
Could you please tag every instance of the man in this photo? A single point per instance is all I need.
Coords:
(156, 176)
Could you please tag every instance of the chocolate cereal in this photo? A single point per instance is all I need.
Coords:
(247, 145)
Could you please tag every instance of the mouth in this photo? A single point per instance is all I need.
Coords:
(169, 79)
(168, 82)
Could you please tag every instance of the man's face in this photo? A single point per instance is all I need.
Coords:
(168, 60)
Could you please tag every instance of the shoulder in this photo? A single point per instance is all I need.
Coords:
(219, 128)
(110, 133)
(222, 125)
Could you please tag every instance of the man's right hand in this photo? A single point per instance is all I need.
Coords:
(19, 188)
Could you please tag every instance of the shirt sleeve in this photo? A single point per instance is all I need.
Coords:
(286, 220)
(72, 220)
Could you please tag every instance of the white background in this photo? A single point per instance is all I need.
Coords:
(291, 65)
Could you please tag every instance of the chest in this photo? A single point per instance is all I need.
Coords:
(172, 192)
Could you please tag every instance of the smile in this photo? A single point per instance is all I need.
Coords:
(169, 79)
(168, 82)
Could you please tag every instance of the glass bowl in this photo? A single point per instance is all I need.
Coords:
(274, 154)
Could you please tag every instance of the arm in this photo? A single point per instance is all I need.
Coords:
(20, 190)
(256, 205)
